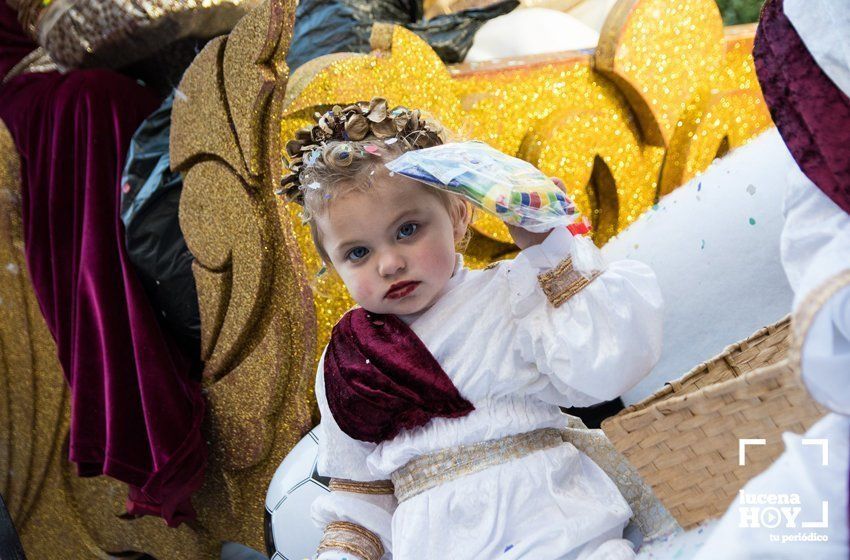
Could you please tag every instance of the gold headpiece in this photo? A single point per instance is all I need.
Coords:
(353, 123)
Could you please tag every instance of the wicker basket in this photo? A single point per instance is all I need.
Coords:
(683, 439)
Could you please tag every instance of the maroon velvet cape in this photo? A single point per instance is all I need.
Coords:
(380, 378)
(136, 412)
(811, 113)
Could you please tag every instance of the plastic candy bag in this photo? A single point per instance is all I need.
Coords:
(512, 189)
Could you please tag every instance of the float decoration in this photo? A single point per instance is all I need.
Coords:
(262, 327)
(561, 113)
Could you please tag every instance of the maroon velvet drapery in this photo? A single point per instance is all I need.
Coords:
(136, 409)
(811, 113)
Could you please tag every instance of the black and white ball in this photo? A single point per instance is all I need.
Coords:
(290, 533)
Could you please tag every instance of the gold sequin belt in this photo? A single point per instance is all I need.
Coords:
(427, 471)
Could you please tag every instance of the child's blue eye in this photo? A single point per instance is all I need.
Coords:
(407, 230)
(357, 253)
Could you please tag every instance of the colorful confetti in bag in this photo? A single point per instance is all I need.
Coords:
(512, 189)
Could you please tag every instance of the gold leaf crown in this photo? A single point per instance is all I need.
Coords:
(357, 122)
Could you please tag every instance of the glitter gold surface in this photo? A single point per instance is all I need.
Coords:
(257, 323)
(721, 118)
(661, 54)
(663, 95)
(33, 398)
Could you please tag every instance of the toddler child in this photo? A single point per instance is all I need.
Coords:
(440, 393)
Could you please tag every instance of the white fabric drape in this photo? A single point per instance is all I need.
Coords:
(516, 357)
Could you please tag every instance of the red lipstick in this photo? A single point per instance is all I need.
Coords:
(400, 289)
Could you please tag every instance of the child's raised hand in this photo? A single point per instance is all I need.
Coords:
(524, 238)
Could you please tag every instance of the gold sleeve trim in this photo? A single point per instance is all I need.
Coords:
(563, 282)
(803, 318)
(352, 538)
(376, 487)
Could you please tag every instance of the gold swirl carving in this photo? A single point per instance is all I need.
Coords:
(256, 315)
(253, 326)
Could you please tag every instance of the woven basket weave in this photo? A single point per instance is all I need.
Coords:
(683, 439)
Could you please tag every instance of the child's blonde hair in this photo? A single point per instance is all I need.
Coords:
(329, 178)
(341, 152)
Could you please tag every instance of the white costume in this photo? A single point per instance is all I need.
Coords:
(816, 257)
(516, 357)
(815, 251)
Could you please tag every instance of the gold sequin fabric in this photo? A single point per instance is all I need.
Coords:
(427, 471)
(34, 62)
(28, 13)
(351, 538)
(563, 282)
(89, 33)
(356, 487)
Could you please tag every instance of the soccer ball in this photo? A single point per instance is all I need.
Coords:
(290, 533)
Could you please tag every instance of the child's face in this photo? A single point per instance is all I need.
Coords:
(396, 233)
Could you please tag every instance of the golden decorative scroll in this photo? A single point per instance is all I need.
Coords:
(256, 314)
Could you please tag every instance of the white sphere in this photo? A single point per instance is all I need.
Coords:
(714, 246)
(527, 31)
(290, 533)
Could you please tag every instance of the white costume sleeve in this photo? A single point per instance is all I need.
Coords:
(815, 253)
(598, 343)
(342, 457)
(826, 354)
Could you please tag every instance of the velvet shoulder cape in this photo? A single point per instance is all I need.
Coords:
(380, 378)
